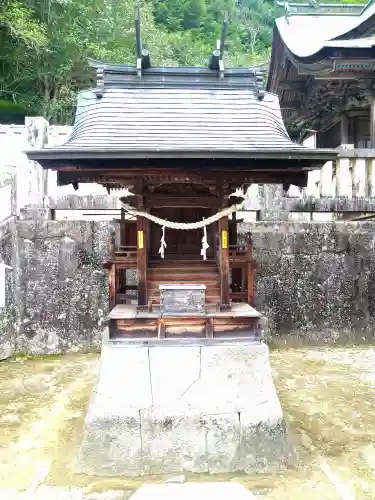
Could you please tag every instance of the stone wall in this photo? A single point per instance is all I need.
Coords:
(316, 281)
(8, 256)
(56, 292)
(8, 314)
(63, 286)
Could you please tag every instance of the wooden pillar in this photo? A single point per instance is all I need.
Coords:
(344, 130)
(250, 273)
(234, 224)
(372, 124)
(224, 258)
(113, 242)
(112, 286)
(142, 244)
(142, 235)
(123, 241)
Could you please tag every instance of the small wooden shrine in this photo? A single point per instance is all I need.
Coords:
(323, 70)
(186, 142)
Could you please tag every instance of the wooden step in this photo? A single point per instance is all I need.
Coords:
(184, 272)
(183, 269)
(215, 280)
(208, 284)
(184, 275)
(208, 292)
(183, 263)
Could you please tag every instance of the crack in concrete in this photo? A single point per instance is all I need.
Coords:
(196, 380)
(177, 397)
(150, 377)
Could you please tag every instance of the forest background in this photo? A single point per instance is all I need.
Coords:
(45, 44)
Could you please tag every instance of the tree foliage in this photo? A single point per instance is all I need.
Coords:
(45, 44)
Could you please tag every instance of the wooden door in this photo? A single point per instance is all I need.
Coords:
(128, 232)
(180, 243)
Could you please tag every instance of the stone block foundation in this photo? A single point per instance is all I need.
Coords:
(169, 408)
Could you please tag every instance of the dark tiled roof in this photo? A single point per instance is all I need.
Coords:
(177, 112)
(178, 119)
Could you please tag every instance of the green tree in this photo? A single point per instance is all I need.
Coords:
(45, 44)
(194, 13)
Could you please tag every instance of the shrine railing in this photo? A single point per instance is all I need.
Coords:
(351, 175)
(242, 269)
(126, 252)
(239, 253)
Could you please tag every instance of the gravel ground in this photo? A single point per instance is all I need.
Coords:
(327, 395)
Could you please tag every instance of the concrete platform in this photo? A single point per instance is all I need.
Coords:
(173, 408)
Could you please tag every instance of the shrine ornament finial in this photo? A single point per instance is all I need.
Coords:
(143, 55)
(217, 57)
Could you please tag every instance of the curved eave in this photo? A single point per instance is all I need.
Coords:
(68, 155)
(337, 52)
(366, 22)
(272, 80)
(321, 33)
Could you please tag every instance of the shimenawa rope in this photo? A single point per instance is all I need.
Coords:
(186, 226)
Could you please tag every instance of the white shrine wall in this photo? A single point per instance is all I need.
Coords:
(34, 186)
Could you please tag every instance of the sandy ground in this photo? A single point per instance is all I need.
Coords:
(327, 395)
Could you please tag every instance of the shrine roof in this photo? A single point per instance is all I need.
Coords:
(322, 61)
(177, 112)
(310, 37)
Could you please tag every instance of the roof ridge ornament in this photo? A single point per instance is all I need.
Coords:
(99, 90)
(217, 57)
(143, 55)
(259, 84)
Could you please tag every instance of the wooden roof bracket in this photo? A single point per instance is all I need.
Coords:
(143, 55)
(259, 85)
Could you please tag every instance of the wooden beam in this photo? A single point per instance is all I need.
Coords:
(165, 200)
(259, 174)
(359, 112)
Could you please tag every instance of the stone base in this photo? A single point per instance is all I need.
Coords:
(173, 408)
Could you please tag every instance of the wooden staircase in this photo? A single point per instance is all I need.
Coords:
(129, 322)
(184, 272)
